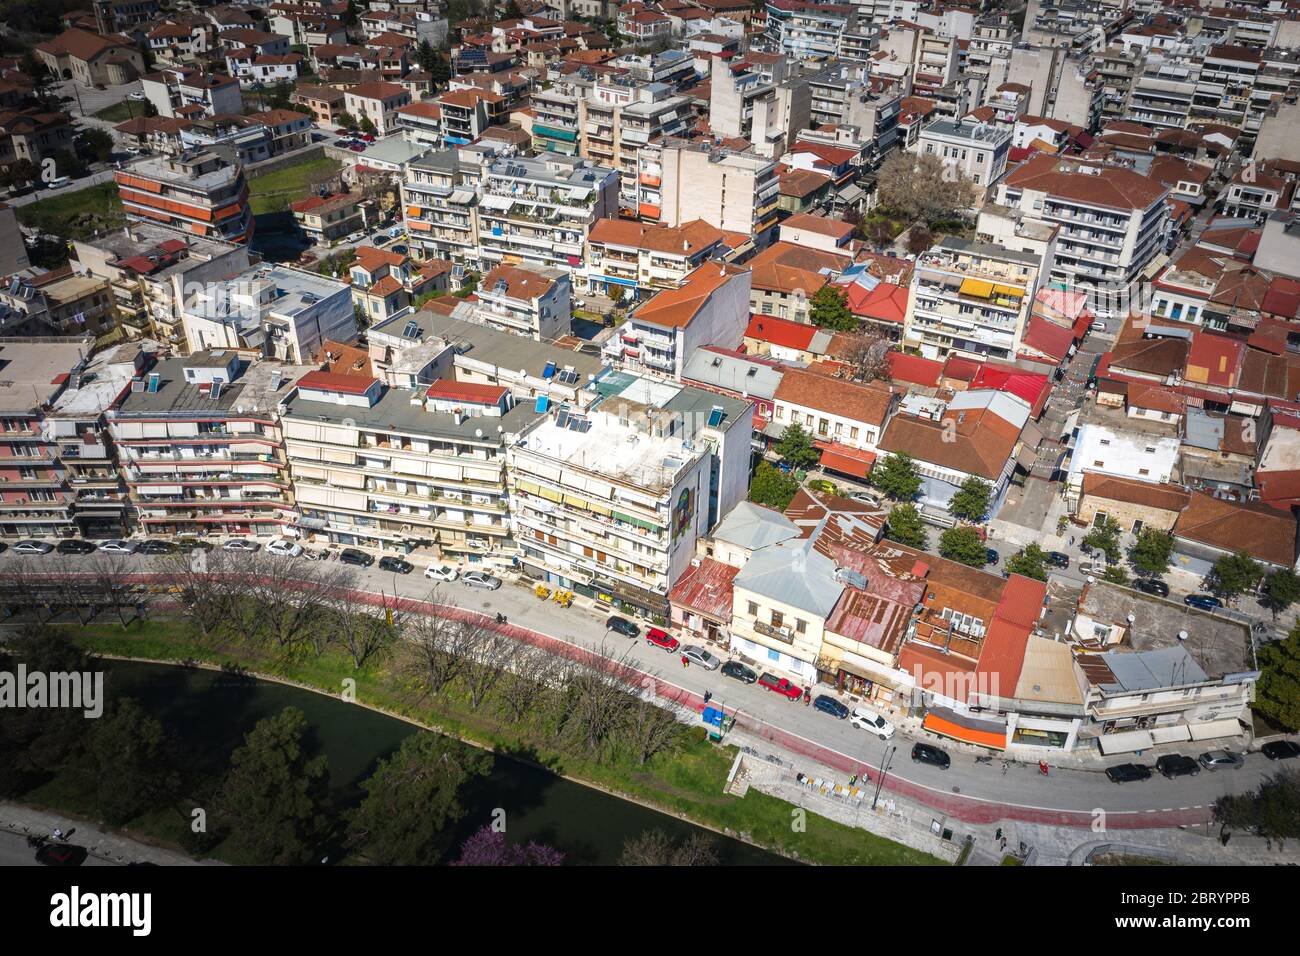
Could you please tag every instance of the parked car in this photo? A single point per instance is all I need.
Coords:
(400, 250)
(1088, 568)
(33, 547)
(358, 148)
(357, 558)
(396, 565)
(368, 137)
(991, 556)
(1128, 773)
(621, 625)
(155, 546)
(698, 655)
(1098, 326)
(1221, 760)
(1058, 559)
(118, 546)
(192, 544)
(1280, 749)
(137, 95)
(657, 637)
(480, 579)
(864, 718)
(823, 486)
(738, 671)
(781, 686)
(240, 544)
(829, 705)
(440, 572)
(1206, 602)
(58, 182)
(926, 753)
(285, 547)
(75, 546)
(1176, 765)
(355, 237)
(1152, 586)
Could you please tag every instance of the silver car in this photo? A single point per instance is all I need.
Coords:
(240, 544)
(118, 546)
(480, 579)
(698, 655)
(1220, 759)
(33, 547)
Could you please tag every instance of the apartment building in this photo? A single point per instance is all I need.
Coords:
(186, 93)
(276, 311)
(377, 101)
(977, 151)
(610, 501)
(199, 193)
(1225, 85)
(639, 259)
(556, 128)
(440, 204)
(808, 31)
(91, 59)
(57, 303)
(200, 446)
(35, 499)
(324, 103)
(538, 211)
(732, 191)
(149, 268)
(536, 303)
(401, 470)
(972, 299)
(33, 134)
(1161, 96)
(618, 116)
(710, 307)
(323, 219)
(855, 106)
(1112, 221)
(767, 107)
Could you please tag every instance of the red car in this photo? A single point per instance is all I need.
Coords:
(368, 137)
(659, 638)
(781, 686)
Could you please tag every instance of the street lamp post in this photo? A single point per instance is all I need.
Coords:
(890, 749)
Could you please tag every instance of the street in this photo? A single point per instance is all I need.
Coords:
(986, 789)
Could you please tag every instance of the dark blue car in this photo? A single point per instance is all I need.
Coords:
(830, 705)
(1205, 602)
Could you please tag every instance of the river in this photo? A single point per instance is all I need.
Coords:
(210, 712)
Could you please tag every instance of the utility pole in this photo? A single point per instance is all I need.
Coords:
(890, 749)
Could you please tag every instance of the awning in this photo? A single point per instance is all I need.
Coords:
(1009, 290)
(976, 287)
(1171, 735)
(1125, 743)
(460, 196)
(849, 461)
(971, 730)
(1216, 728)
(496, 202)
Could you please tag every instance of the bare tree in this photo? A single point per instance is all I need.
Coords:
(98, 579)
(440, 649)
(599, 702)
(652, 728)
(489, 659)
(291, 597)
(199, 585)
(526, 682)
(364, 636)
(866, 354)
(657, 848)
(921, 187)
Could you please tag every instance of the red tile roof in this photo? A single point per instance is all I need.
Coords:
(471, 393)
(336, 382)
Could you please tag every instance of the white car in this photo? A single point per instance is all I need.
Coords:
(864, 718)
(239, 544)
(440, 572)
(118, 546)
(137, 95)
(285, 547)
(33, 547)
(698, 655)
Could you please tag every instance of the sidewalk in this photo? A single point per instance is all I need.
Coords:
(112, 847)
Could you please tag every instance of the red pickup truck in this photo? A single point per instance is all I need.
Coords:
(781, 686)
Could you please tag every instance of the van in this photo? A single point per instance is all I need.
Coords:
(58, 183)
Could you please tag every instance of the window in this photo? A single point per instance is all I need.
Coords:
(853, 432)
(753, 609)
(801, 626)
(773, 655)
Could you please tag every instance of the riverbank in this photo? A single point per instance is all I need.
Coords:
(687, 783)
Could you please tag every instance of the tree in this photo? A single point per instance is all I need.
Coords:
(1152, 552)
(426, 56)
(1103, 536)
(796, 447)
(657, 848)
(488, 847)
(440, 71)
(919, 239)
(1277, 693)
(1030, 561)
(20, 173)
(1234, 574)
(972, 500)
(772, 487)
(1115, 575)
(921, 187)
(274, 798)
(906, 527)
(1281, 590)
(367, 126)
(829, 309)
(349, 16)
(651, 729)
(1272, 810)
(127, 761)
(97, 144)
(866, 355)
(897, 477)
(413, 800)
(964, 545)
(347, 121)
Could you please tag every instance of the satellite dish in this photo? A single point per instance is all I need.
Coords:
(478, 433)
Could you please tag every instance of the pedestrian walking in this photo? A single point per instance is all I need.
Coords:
(58, 833)
(708, 695)
(685, 662)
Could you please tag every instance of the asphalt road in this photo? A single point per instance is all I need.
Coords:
(14, 851)
(1018, 791)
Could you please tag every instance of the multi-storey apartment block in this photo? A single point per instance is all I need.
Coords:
(200, 193)
(400, 470)
(972, 299)
(200, 446)
(638, 259)
(149, 268)
(532, 302)
(977, 151)
(609, 501)
(735, 192)
(440, 200)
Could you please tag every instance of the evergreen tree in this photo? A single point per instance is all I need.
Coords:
(906, 527)
(972, 500)
(828, 309)
(897, 477)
